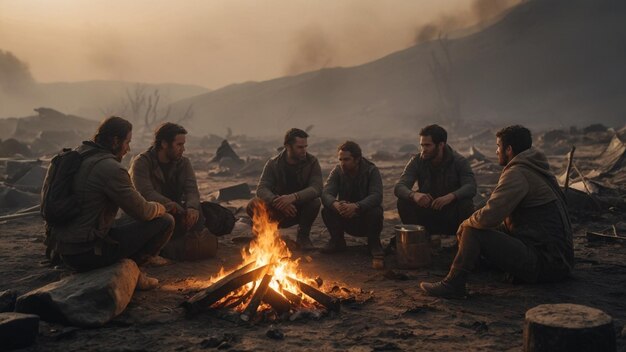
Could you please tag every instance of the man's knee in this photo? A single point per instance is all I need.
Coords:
(311, 208)
(330, 217)
(405, 205)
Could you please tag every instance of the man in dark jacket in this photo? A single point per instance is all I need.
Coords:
(290, 187)
(445, 181)
(352, 199)
(524, 228)
(162, 174)
(91, 240)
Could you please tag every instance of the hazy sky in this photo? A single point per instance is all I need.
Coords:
(208, 42)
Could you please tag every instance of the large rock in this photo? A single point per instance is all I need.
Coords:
(85, 299)
(17, 330)
(7, 300)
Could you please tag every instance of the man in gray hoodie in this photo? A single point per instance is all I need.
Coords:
(524, 228)
(290, 186)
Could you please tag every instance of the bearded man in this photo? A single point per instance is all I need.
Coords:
(162, 174)
(445, 185)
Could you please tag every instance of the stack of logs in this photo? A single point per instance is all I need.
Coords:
(281, 303)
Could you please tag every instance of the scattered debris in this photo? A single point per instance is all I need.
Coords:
(7, 301)
(275, 333)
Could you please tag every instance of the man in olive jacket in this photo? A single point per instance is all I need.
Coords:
(290, 187)
(352, 199)
(524, 228)
(92, 240)
(162, 174)
(446, 185)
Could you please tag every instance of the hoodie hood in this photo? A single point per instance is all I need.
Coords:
(532, 158)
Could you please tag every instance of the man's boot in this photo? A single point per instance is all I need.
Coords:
(303, 240)
(376, 249)
(452, 286)
(336, 244)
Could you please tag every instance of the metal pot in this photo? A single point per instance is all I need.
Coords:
(412, 246)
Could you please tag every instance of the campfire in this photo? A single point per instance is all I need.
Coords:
(269, 281)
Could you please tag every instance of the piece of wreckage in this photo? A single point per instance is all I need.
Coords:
(226, 162)
(268, 286)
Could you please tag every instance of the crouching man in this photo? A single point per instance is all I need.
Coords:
(290, 187)
(91, 240)
(352, 199)
(162, 174)
(524, 228)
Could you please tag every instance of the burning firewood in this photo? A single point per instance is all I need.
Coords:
(278, 302)
(327, 301)
(204, 299)
(250, 311)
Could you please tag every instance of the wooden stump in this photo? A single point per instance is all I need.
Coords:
(568, 327)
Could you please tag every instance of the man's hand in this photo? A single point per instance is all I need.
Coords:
(191, 217)
(281, 202)
(350, 210)
(422, 199)
(345, 209)
(290, 211)
(443, 201)
(174, 208)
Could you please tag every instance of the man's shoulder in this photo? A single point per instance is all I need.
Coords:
(107, 166)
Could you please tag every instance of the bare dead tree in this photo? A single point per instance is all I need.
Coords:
(141, 107)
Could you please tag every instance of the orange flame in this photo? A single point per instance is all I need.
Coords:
(268, 248)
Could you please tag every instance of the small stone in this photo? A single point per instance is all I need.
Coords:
(274, 333)
(18, 330)
(211, 342)
(7, 300)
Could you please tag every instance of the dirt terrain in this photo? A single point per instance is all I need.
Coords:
(388, 311)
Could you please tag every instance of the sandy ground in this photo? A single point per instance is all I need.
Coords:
(386, 314)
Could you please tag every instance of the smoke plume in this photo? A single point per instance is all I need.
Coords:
(15, 76)
(313, 51)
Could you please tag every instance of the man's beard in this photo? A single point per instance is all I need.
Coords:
(171, 154)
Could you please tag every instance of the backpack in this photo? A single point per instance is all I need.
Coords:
(219, 220)
(59, 204)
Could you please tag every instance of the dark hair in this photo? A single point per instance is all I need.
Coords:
(352, 147)
(167, 132)
(518, 137)
(436, 132)
(290, 136)
(110, 128)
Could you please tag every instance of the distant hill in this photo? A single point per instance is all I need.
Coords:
(89, 98)
(545, 63)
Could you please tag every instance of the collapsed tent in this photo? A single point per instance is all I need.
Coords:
(613, 158)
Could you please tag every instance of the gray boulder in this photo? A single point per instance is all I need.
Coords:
(17, 330)
(88, 299)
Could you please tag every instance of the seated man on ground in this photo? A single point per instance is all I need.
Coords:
(445, 182)
(162, 174)
(91, 240)
(352, 198)
(524, 228)
(290, 187)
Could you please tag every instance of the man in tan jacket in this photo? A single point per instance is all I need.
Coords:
(162, 174)
(91, 240)
(524, 228)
